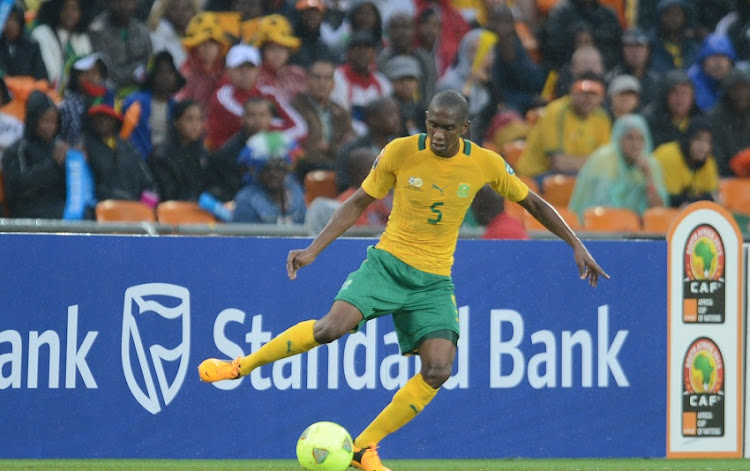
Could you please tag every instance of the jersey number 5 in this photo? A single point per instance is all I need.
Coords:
(438, 213)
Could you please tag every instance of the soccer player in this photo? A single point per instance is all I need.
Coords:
(435, 177)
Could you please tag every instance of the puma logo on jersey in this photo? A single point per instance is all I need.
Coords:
(439, 189)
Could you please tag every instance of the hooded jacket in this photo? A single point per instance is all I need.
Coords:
(707, 89)
(731, 126)
(34, 182)
(663, 130)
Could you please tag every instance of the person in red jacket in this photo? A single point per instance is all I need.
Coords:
(226, 105)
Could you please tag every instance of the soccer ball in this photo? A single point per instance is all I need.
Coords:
(325, 446)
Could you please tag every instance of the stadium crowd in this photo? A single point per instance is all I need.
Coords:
(271, 111)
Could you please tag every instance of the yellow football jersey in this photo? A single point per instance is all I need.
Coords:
(431, 196)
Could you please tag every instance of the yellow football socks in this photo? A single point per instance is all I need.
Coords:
(295, 340)
(406, 404)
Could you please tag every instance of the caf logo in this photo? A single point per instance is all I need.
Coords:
(703, 371)
(704, 254)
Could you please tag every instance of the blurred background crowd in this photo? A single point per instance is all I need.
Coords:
(618, 112)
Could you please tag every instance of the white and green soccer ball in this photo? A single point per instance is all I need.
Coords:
(325, 446)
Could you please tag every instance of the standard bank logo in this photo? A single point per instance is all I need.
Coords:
(146, 363)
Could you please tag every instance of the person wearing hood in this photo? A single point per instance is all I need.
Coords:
(156, 99)
(731, 120)
(276, 42)
(34, 166)
(670, 114)
(673, 47)
(307, 27)
(690, 171)
(623, 173)
(714, 62)
(19, 54)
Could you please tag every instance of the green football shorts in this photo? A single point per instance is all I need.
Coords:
(423, 304)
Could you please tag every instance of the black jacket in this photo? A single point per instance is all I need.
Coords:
(119, 174)
(181, 172)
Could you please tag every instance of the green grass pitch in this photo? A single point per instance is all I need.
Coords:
(395, 465)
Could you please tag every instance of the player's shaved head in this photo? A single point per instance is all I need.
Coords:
(451, 100)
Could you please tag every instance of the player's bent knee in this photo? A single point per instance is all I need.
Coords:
(436, 374)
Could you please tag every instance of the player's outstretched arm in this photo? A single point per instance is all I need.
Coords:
(343, 218)
(546, 214)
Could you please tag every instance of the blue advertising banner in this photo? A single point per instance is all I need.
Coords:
(101, 336)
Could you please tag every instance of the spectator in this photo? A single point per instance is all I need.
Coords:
(62, 34)
(670, 115)
(119, 170)
(124, 41)
(273, 195)
(451, 28)
(690, 171)
(470, 76)
(713, 63)
(206, 45)
(364, 16)
(623, 173)
(557, 38)
(11, 127)
(276, 42)
(736, 25)
(383, 123)
(308, 29)
(586, 58)
(86, 83)
(401, 32)
(34, 166)
(19, 54)
(624, 93)
(168, 23)
(226, 173)
(180, 164)
(155, 100)
(225, 108)
(636, 52)
(516, 76)
(356, 84)
(489, 210)
(569, 130)
(427, 31)
(673, 48)
(328, 124)
(730, 120)
(404, 73)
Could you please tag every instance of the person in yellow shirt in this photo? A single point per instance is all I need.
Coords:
(434, 177)
(690, 171)
(569, 130)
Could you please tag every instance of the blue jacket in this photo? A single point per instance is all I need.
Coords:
(141, 136)
(707, 89)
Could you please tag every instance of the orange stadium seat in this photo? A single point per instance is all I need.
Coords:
(658, 219)
(320, 183)
(605, 219)
(570, 217)
(735, 194)
(183, 212)
(124, 211)
(557, 189)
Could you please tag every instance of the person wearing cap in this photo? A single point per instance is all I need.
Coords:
(715, 60)
(34, 166)
(118, 169)
(276, 42)
(404, 73)
(124, 42)
(356, 84)
(156, 100)
(225, 108)
(61, 31)
(87, 81)
(329, 125)
(568, 131)
(670, 114)
(636, 54)
(401, 31)
(624, 96)
(168, 22)
(206, 44)
(623, 173)
(731, 120)
(673, 47)
(690, 170)
(20, 55)
(310, 14)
